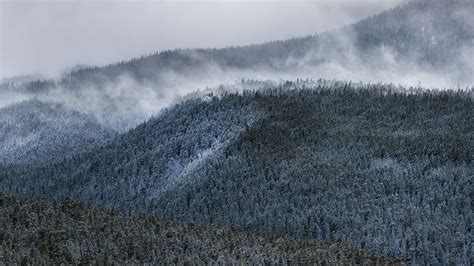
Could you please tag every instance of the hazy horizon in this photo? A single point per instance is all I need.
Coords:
(48, 37)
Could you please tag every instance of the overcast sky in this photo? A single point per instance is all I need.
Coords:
(46, 37)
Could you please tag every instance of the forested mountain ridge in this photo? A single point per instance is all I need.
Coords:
(431, 32)
(428, 31)
(157, 155)
(432, 38)
(378, 168)
(37, 231)
(33, 132)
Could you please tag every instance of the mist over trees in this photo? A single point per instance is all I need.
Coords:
(425, 42)
(252, 168)
(33, 132)
(429, 33)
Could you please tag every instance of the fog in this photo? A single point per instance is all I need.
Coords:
(100, 33)
(47, 37)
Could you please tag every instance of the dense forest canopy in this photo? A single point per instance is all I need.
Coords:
(33, 132)
(43, 232)
(246, 161)
(379, 168)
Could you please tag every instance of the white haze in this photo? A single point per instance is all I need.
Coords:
(47, 37)
(123, 103)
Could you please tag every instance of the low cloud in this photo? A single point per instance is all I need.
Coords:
(123, 102)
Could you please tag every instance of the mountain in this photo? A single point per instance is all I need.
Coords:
(431, 33)
(427, 42)
(376, 167)
(35, 132)
(76, 234)
(381, 168)
(181, 140)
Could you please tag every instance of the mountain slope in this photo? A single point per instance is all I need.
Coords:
(35, 132)
(380, 169)
(75, 234)
(427, 42)
(156, 156)
(431, 32)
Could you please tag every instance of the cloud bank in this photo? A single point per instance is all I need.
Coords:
(47, 37)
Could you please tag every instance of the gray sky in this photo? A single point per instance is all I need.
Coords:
(48, 36)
